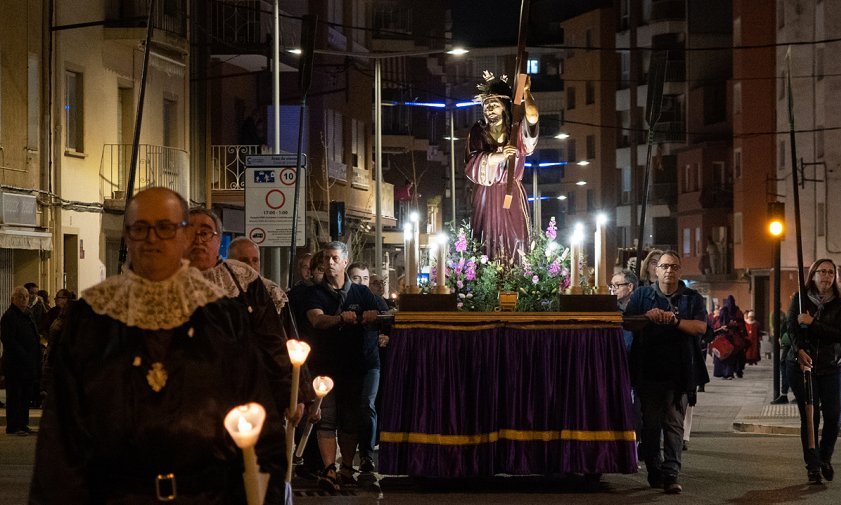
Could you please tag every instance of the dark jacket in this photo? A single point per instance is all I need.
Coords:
(821, 339)
(663, 353)
(21, 345)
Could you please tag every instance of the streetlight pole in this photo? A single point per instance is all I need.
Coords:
(776, 213)
(378, 139)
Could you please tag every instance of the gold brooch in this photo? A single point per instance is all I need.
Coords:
(156, 377)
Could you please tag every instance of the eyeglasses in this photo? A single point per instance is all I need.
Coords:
(204, 234)
(618, 285)
(669, 266)
(825, 272)
(165, 230)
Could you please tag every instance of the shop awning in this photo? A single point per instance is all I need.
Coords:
(26, 239)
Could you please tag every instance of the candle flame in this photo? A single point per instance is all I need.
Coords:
(243, 426)
(322, 385)
(298, 351)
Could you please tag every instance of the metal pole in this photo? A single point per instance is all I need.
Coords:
(453, 166)
(378, 162)
(276, 262)
(535, 196)
(777, 309)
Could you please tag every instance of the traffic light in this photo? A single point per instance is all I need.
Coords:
(776, 219)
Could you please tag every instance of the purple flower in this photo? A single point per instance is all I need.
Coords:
(535, 279)
(459, 284)
(555, 268)
(459, 305)
(461, 243)
(552, 230)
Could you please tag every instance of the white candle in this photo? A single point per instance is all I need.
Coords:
(244, 423)
(408, 238)
(322, 386)
(600, 252)
(575, 260)
(415, 218)
(298, 352)
(441, 268)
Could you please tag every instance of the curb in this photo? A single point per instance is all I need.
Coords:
(765, 429)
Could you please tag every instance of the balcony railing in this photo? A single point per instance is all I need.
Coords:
(228, 162)
(170, 15)
(156, 166)
(242, 23)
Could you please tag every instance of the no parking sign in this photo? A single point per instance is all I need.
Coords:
(269, 196)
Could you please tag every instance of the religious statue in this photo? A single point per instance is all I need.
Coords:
(498, 145)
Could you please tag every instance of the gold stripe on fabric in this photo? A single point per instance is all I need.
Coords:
(517, 435)
(430, 326)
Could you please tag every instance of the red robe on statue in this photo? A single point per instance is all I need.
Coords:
(503, 230)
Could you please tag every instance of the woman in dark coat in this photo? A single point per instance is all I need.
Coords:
(816, 346)
(731, 326)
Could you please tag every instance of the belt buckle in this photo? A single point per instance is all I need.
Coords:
(168, 480)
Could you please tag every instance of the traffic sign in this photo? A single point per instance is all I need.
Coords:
(269, 196)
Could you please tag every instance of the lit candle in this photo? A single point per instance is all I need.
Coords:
(298, 352)
(574, 270)
(244, 424)
(413, 285)
(600, 251)
(409, 250)
(441, 267)
(322, 386)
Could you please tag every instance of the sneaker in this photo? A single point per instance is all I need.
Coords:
(780, 400)
(671, 486)
(367, 465)
(29, 430)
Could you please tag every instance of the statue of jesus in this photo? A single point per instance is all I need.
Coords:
(503, 231)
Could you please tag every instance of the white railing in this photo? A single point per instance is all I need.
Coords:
(228, 163)
(156, 166)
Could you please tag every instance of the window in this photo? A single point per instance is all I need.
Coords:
(571, 202)
(571, 158)
(624, 70)
(698, 242)
(737, 98)
(570, 98)
(737, 163)
(74, 111)
(687, 242)
(590, 93)
(781, 14)
(533, 66)
(737, 228)
(591, 200)
(591, 147)
(737, 31)
(170, 123)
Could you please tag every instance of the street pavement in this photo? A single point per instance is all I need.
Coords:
(742, 450)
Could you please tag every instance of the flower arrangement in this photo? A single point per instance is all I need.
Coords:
(539, 276)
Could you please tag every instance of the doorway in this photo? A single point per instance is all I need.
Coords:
(71, 262)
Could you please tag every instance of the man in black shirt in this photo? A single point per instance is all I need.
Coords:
(344, 342)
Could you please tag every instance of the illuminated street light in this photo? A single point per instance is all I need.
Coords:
(562, 136)
(581, 183)
(583, 163)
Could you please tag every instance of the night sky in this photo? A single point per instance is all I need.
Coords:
(483, 23)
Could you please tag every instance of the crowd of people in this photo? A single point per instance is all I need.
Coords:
(141, 370)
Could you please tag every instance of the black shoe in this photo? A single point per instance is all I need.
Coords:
(780, 400)
(22, 433)
(29, 430)
(655, 479)
(367, 465)
(671, 486)
(685, 446)
(814, 476)
(827, 471)
(740, 374)
(701, 389)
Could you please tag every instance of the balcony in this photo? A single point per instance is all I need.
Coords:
(670, 132)
(716, 197)
(156, 166)
(170, 16)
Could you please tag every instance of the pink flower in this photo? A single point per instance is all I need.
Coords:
(461, 243)
(555, 268)
(535, 279)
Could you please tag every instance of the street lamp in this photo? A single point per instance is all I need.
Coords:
(776, 227)
(378, 134)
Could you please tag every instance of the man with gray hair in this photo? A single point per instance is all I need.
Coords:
(622, 284)
(21, 357)
(344, 343)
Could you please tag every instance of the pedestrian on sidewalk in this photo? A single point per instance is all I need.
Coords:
(20, 361)
(785, 347)
(816, 335)
(666, 365)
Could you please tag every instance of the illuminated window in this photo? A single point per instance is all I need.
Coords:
(533, 67)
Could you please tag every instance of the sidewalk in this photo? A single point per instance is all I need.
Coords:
(746, 404)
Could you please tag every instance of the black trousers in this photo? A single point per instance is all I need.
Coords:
(18, 392)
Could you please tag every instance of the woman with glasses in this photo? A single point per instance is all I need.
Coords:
(816, 346)
(648, 269)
